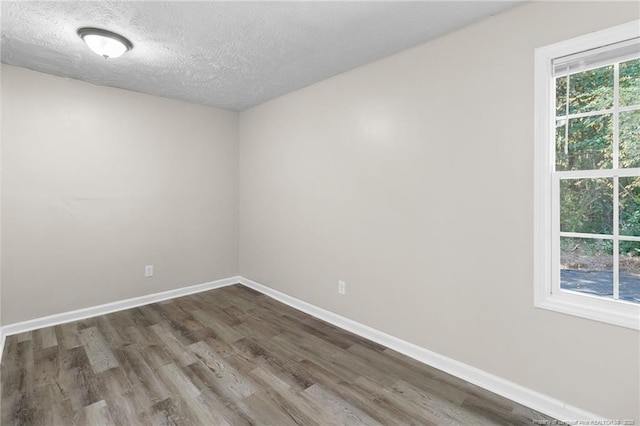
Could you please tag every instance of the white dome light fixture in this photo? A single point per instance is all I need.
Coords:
(105, 43)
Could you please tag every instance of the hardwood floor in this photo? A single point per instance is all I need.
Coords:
(228, 356)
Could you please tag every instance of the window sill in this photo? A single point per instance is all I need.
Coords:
(616, 312)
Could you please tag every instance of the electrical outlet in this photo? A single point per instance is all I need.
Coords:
(148, 271)
(342, 287)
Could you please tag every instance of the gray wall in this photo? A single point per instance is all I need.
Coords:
(98, 182)
(412, 179)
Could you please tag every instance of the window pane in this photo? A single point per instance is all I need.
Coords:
(590, 144)
(561, 96)
(586, 206)
(630, 271)
(586, 265)
(630, 83)
(591, 90)
(629, 218)
(630, 139)
(562, 149)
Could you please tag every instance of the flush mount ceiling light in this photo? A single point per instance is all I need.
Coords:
(105, 43)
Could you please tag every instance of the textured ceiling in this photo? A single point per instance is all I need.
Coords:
(231, 55)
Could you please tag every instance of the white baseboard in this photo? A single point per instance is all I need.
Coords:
(107, 308)
(520, 394)
(513, 391)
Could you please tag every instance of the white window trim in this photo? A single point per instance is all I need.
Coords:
(617, 312)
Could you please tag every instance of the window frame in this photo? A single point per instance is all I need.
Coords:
(547, 294)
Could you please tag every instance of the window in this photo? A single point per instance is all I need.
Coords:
(587, 176)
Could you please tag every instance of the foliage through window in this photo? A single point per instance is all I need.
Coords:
(597, 176)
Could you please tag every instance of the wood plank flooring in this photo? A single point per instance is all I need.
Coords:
(229, 356)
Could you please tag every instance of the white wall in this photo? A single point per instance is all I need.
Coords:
(98, 182)
(412, 179)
